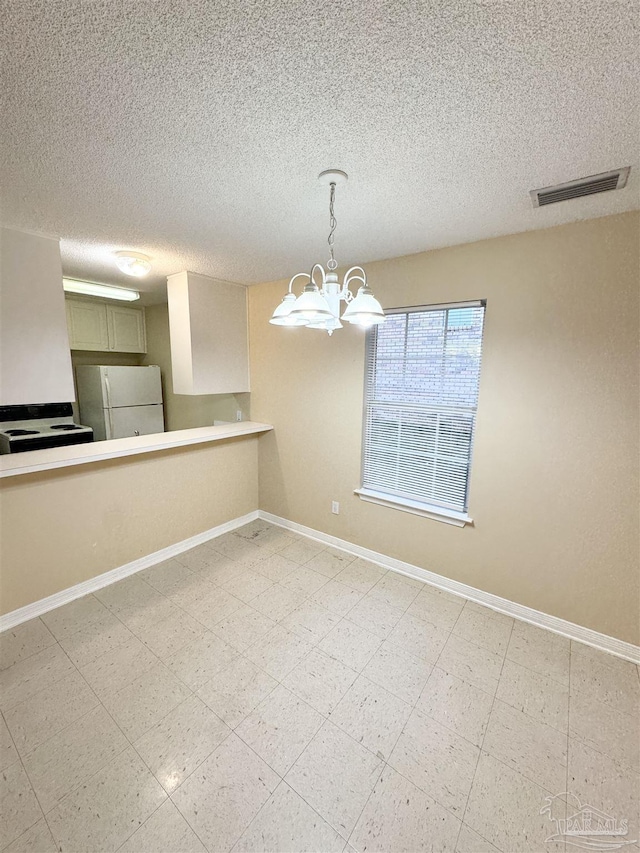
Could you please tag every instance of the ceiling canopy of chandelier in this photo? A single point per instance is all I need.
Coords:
(318, 306)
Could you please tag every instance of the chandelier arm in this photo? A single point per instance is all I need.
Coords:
(362, 277)
(356, 278)
(351, 275)
(297, 275)
(322, 274)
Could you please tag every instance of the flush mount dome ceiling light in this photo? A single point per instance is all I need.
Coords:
(318, 307)
(133, 263)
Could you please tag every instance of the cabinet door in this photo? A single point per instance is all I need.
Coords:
(126, 329)
(87, 323)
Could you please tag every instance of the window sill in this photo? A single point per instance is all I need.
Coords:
(437, 513)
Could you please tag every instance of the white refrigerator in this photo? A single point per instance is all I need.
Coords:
(120, 401)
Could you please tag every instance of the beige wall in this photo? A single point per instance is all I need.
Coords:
(182, 411)
(554, 485)
(65, 526)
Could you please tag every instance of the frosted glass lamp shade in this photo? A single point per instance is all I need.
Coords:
(282, 315)
(311, 306)
(364, 310)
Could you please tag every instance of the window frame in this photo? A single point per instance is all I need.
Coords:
(390, 500)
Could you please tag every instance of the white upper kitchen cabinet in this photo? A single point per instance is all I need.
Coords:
(100, 327)
(209, 335)
(126, 329)
(35, 361)
(87, 322)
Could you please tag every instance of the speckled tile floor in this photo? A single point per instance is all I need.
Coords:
(264, 693)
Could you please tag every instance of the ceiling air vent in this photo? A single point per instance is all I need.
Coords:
(602, 183)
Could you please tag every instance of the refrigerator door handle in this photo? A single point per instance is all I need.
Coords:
(107, 388)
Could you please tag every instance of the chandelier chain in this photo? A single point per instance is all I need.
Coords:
(332, 263)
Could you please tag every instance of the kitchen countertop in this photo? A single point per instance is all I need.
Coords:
(15, 464)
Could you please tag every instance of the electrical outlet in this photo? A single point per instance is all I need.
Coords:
(239, 415)
(335, 507)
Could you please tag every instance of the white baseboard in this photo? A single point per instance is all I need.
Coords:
(502, 605)
(30, 611)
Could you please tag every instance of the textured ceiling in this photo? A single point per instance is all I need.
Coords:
(194, 130)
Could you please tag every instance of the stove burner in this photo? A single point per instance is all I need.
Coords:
(65, 426)
(22, 432)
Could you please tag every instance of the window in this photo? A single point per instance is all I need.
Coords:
(421, 394)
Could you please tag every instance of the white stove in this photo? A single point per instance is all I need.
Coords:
(38, 426)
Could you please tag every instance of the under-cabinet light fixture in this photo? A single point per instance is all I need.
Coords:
(106, 291)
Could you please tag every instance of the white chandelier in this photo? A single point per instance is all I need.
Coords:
(318, 307)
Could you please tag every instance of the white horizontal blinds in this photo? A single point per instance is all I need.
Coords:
(422, 375)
